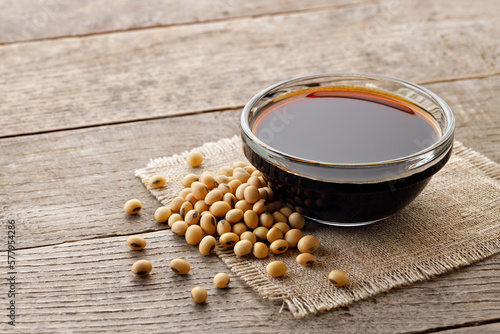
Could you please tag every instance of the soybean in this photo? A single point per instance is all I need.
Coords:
(249, 169)
(136, 242)
(180, 266)
(208, 223)
(225, 170)
(229, 239)
(260, 250)
(284, 227)
(234, 215)
(200, 206)
(251, 219)
(213, 196)
(199, 294)
(260, 206)
(176, 204)
(279, 217)
(261, 233)
(242, 175)
(234, 184)
(220, 179)
(185, 208)
(224, 187)
(239, 164)
(189, 179)
(296, 220)
(221, 280)
(274, 234)
(266, 220)
(239, 228)
(194, 234)
(279, 246)
(179, 227)
(132, 206)
(223, 227)
(257, 173)
(230, 199)
(286, 211)
(276, 268)
(240, 192)
(254, 181)
(247, 235)
(175, 217)
(306, 259)
(157, 181)
(338, 278)
(142, 267)
(194, 158)
(219, 209)
(207, 245)
(243, 205)
(192, 217)
(242, 248)
(251, 194)
(308, 244)
(208, 179)
(162, 214)
(293, 236)
(263, 193)
(184, 192)
(191, 199)
(200, 190)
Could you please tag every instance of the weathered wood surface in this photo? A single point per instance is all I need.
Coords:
(26, 20)
(50, 179)
(155, 73)
(66, 188)
(87, 286)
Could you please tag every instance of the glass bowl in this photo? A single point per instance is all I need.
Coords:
(346, 193)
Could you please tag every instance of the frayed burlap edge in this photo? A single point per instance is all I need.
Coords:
(301, 306)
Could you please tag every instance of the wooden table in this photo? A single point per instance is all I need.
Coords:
(90, 91)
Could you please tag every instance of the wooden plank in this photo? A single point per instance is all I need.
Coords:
(71, 185)
(87, 286)
(147, 74)
(23, 20)
(493, 328)
(477, 121)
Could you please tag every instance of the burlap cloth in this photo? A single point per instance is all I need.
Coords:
(453, 223)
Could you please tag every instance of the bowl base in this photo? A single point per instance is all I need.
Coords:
(344, 224)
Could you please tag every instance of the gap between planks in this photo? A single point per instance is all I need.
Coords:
(201, 22)
(191, 113)
(473, 325)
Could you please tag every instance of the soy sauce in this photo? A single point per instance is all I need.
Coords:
(343, 126)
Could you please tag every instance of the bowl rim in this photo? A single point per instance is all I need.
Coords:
(445, 138)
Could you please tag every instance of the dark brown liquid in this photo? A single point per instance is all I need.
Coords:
(344, 126)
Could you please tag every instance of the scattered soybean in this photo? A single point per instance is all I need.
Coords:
(180, 266)
(221, 280)
(132, 206)
(136, 242)
(142, 267)
(194, 158)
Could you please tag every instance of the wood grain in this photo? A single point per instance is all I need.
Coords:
(79, 115)
(87, 286)
(71, 185)
(23, 20)
(154, 73)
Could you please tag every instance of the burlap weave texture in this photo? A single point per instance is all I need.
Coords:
(454, 222)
